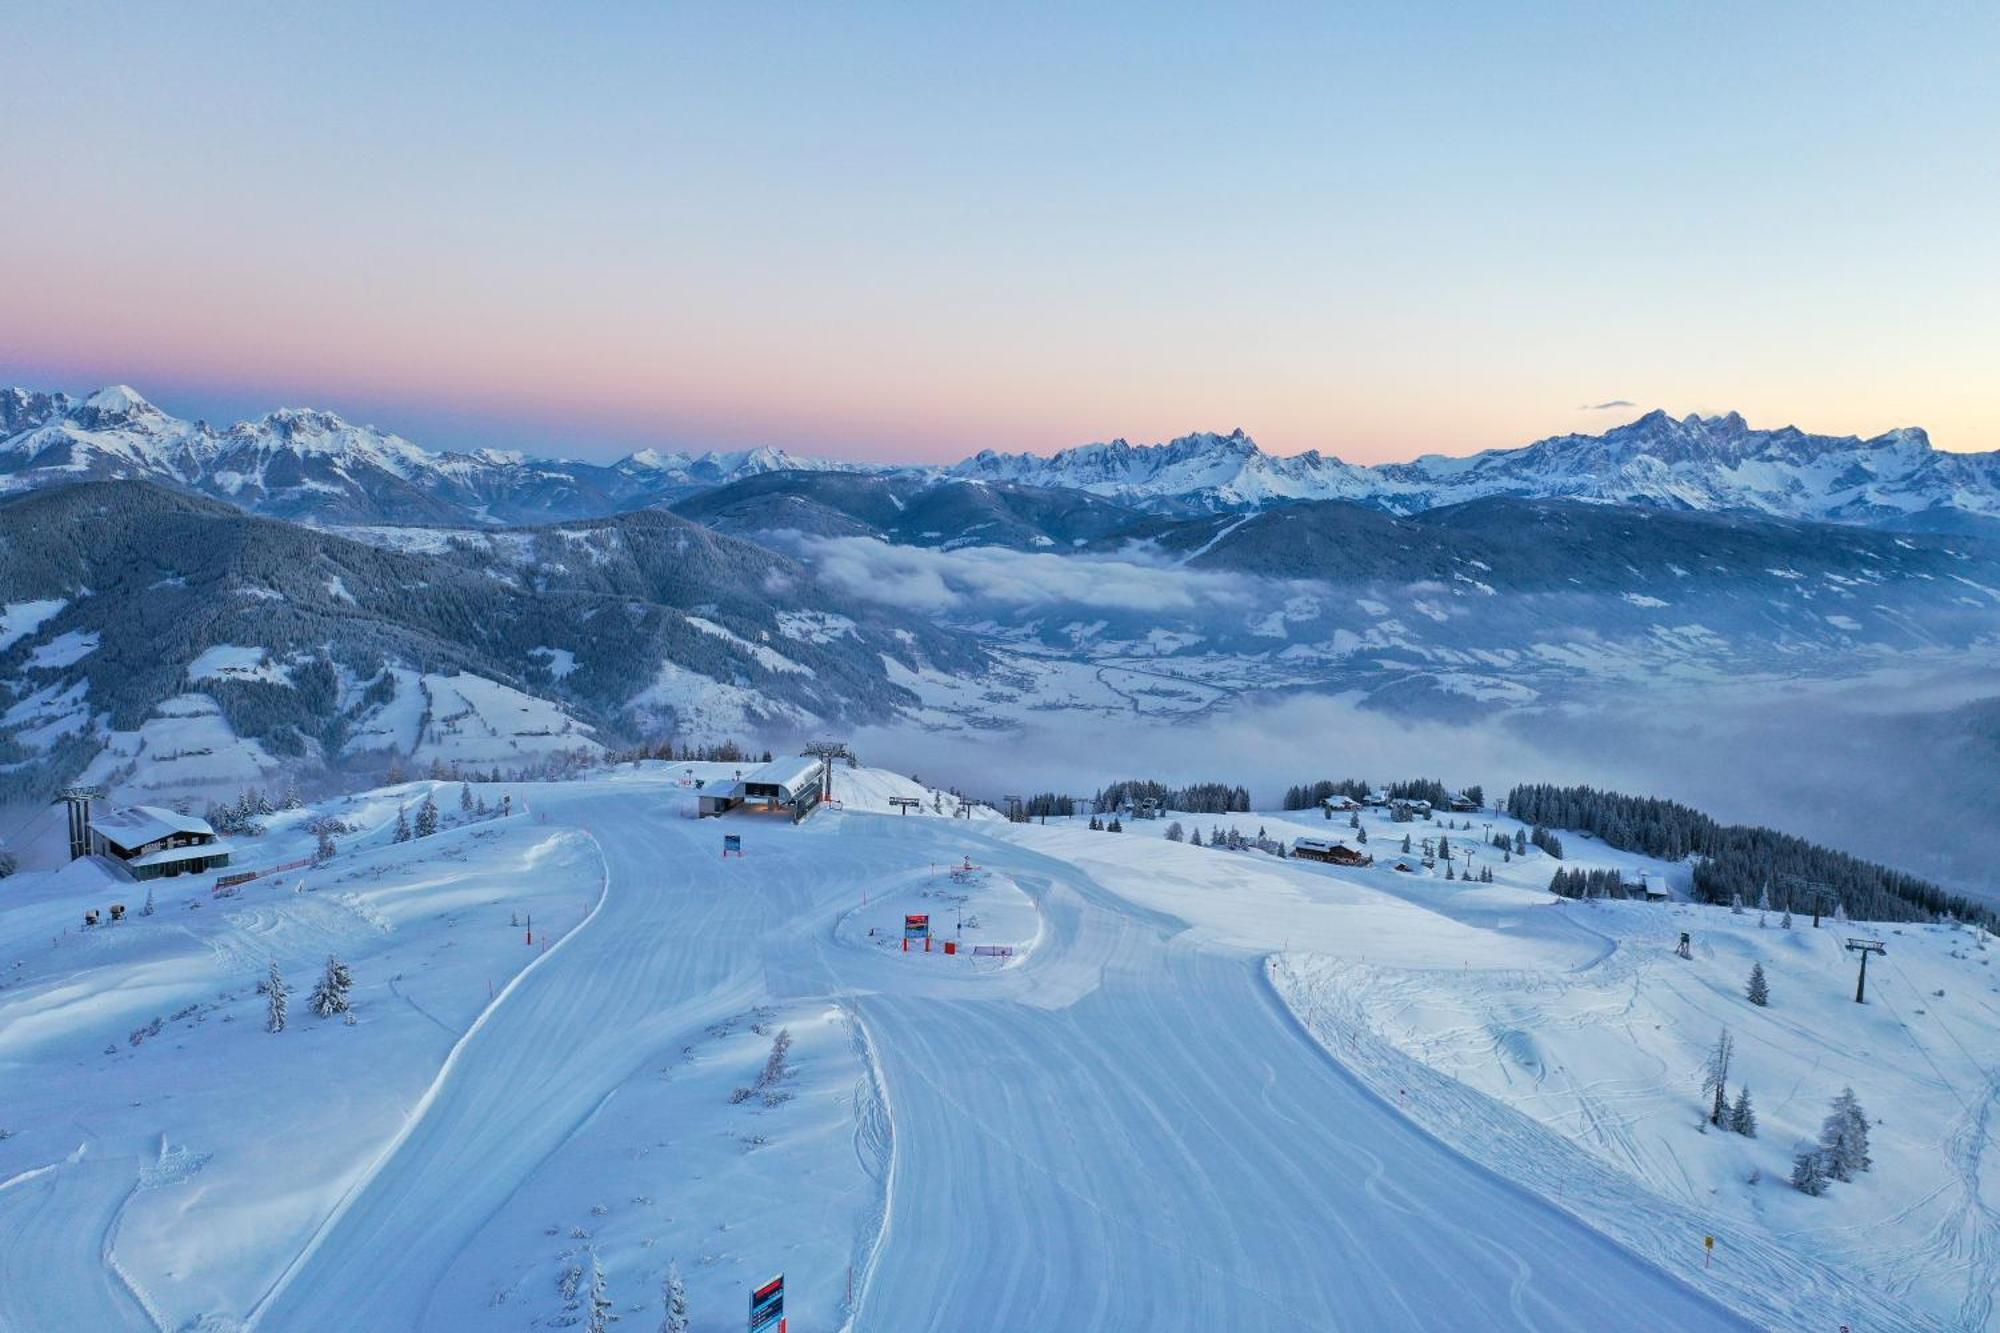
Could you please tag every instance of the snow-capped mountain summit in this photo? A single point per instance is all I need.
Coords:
(1203, 470)
(305, 463)
(1715, 463)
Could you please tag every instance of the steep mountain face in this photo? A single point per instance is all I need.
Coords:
(1195, 472)
(1704, 463)
(311, 465)
(909, 508)
(154, 626)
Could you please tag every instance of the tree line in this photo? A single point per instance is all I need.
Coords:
(1307, 795)
(1201, 798)
(1740, 859)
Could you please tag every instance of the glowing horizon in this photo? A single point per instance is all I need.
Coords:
(892, 236)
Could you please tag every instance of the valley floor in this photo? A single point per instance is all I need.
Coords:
(1189, 1090)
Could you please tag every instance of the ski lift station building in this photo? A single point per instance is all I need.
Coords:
(790, 786)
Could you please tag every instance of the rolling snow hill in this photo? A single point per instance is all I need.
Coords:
(1259, 1093)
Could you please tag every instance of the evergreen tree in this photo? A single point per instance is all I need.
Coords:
(1786, 919)
(402, 823)
(1715, 1076)
(291, 799)
(673, 1295)
(323, 849)
(1764, 897)
(427, 818)
(1844, 1137)
(597, 1308)
(1760, 993)
(1194, 838)
(1406, 844)
(329, 997)
(1360, 836)
(1809, 1170)
(1449, 873)
(1736, 904)
(1742, 1119)
(1520, 842)
(1115, 826)
(147, 910)
(465, 798)
(1174, 831)
(274, 989)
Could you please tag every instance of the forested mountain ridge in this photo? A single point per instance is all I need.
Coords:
(122, 597)
(1734, 860)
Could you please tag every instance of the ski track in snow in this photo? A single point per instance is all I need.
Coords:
(1128, 1130)
(1137, 1126)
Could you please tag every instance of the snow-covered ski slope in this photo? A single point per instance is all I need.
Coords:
(1121, 1126)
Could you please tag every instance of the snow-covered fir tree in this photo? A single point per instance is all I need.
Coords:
(597, 1314)
(323, 848)
(1844, 1137)
(1809, 1170)
(1174, 832)
(674, 1298)
(329, 997)
(1194, 838)
(147, 909)
(427, 818)
(465, 798)
(275, 992)
(1786, 920)
(1758, 990)
(402, 823)
(1736, 904)
(1742, 1119)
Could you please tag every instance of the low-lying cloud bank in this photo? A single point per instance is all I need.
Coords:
(1914, 789)
(973, 578)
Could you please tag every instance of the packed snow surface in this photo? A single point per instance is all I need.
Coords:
(583, 1038)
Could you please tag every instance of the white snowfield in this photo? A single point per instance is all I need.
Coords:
(1122, 1125)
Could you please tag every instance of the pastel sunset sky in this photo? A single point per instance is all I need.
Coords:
(907, 231)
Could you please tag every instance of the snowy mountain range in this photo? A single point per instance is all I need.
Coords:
(304, 464)
(1712, 464)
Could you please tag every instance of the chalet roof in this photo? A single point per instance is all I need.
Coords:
(136, 825)
(200, 851)
(793, 773)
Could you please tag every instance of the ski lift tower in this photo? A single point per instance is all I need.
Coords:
(78, 800)
(826, 752)
(1864, 948)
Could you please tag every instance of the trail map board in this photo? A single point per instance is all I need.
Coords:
(767, 1307)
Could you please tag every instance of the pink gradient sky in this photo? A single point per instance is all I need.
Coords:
(870, 233)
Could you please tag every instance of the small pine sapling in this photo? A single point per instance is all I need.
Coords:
(1759, 991)
(1742, 1119)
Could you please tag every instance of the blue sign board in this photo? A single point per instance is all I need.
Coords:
(916, 925)
(732, 842)
(767, 1306)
